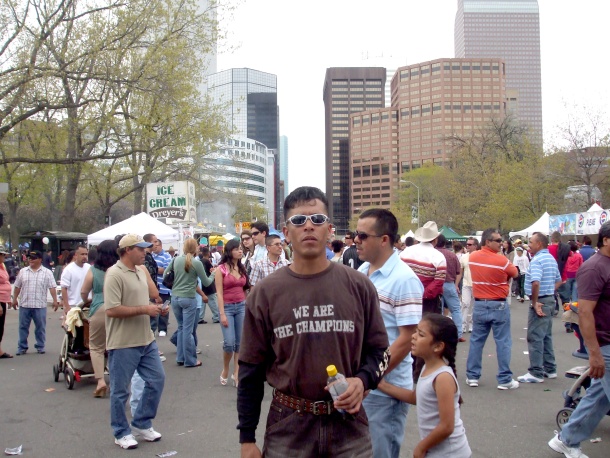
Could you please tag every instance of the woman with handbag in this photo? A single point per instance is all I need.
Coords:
(185, 270)
(231, 286)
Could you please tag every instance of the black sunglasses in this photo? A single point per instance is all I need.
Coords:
(255, 233)
(363, 235)
(317, 219)
(496, 240)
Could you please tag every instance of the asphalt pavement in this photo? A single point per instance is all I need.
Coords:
(198, 417)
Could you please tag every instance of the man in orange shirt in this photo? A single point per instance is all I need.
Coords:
(490, 273)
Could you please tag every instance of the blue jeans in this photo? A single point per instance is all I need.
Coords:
(122, 363)
(137, 388)
(488, 316)
(387, 420)
(213, 304)
(451, 300)
(591, 408)
(185, 310)
(571, 289)
(160, 322)
(540, 339)
(26, 315)
(235, 313)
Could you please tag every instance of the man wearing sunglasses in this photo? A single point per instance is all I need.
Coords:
(400, 300)
(273, 262)
(260, 231)
(309, 315)
(490, 272)
(350, 255)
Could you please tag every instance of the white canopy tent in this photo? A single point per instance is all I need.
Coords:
(138, 224)
(595, 208)
(408, 234)
(542, 226)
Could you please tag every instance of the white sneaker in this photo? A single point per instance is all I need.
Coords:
(570, 452)
(162, 358)
(162, 333)
(199, 352)
(472, 382)
(512, 385)
(550, 375)
(529, 378)
(127, 442)
(149, 435)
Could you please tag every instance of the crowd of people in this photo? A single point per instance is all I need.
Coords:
(388, 314)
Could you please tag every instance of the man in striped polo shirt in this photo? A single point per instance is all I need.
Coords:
(400, 299)
(541, 280)
(490, 272)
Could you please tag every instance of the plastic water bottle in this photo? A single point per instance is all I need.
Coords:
(336, 383)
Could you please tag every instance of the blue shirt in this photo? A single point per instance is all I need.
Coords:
(329, 254)
(543, 268)
(586, 251)
(400, 300)
(162, 259)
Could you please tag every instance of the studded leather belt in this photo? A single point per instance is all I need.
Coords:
(304, 405)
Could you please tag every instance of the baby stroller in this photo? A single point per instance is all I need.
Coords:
(576, 392)
(74, 359)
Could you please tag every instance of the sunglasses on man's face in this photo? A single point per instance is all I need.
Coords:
(254, 234)
(299, 220)
(363, 235)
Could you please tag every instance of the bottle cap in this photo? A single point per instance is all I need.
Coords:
(331, 370)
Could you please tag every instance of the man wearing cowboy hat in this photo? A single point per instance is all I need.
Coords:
(430, 266)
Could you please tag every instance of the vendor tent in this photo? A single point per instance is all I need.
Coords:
(595, 208)
(138, 224)
(451, 235)
(408, 234)
(542, 226)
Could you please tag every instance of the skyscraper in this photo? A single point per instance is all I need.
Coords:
(509, 30)
(284, 162)
(430, 102)
(346, 90)
(250, 97)
(252, 108)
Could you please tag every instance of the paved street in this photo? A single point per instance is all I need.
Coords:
(197, 415)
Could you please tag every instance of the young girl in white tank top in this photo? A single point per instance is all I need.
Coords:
(437, 394)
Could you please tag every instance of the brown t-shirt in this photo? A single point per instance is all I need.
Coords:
(300, 324)
(593, 280)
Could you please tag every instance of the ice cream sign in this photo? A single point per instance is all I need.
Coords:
(174, 200)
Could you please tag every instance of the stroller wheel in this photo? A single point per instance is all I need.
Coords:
(69, 376)
(56, 372)
(563, 416)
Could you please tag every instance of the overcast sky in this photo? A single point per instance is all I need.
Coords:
(299, 40)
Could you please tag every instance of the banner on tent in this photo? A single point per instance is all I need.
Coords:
(590, 222)
(564, 224)
(174, 200)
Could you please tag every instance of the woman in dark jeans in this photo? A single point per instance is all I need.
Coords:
(5, 298)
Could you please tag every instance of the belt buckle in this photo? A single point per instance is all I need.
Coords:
(316, 408)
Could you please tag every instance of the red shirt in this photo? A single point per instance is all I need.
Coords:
(490, 273)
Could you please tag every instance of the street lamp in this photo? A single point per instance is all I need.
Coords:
(410, 182)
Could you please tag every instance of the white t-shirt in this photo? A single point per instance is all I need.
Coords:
(72, 279)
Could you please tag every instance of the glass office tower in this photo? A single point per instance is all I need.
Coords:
(509, 30)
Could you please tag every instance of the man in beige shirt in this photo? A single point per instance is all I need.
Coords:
(130, 342)
(472, 244)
